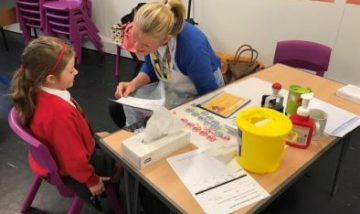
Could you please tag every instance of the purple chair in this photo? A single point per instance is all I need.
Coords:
(43, 157)
(30, 15)
(303, 54)
(72, 19)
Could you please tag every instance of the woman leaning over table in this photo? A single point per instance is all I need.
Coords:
(179, 59)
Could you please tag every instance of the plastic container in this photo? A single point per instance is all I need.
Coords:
(263, 134)
(294, 98)
(303, 125)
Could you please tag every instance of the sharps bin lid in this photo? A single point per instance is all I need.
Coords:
(263, 122)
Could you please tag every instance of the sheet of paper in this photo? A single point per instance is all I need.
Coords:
(218, 188)
(146, 104)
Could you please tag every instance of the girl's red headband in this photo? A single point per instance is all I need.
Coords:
(60, 57)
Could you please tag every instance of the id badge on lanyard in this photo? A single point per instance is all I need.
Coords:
(162, 65)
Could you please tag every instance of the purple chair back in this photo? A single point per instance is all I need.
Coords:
(39, 152)
(303, 54)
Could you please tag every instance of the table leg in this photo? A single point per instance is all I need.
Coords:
(127, 191)
(136, 196)
(344, 148)
(4, 38)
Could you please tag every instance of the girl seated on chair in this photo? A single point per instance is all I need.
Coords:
(39, 93)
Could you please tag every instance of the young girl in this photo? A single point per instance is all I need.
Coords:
(39, 93)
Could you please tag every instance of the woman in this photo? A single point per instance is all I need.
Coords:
(177, 55)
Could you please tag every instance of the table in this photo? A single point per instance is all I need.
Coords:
(294, 162)
(7, 17)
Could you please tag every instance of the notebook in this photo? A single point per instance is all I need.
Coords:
(224, 104)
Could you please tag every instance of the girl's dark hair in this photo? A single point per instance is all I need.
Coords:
(41, 57)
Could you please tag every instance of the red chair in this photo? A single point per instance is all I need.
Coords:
(43, 157)
(303, 54)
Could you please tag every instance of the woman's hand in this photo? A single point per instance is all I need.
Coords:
(124, 89)
(99, 187)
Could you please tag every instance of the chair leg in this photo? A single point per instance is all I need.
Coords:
(35, 33)
(76, 205)
(113, 199)
(31, 194)
(117, 60)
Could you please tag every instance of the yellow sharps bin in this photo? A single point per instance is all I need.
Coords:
(263, 134)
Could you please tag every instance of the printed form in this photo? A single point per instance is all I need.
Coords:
(217, 187)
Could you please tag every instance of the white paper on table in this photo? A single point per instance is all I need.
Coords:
(146, 104)
(217, 187)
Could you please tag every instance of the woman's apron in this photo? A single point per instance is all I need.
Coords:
(173, 87)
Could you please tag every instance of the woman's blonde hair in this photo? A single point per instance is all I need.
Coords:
(43, 56)
(160, 20)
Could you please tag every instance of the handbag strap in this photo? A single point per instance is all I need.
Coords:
(253, 58)
(239, 50)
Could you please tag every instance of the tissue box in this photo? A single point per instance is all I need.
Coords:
(141, 154)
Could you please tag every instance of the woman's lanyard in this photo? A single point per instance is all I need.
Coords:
(162, 68)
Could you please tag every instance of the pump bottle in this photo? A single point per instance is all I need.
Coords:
(274, 101)
(303, 125)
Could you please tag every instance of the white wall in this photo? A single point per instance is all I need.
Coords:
(345, 59)
(262, 23)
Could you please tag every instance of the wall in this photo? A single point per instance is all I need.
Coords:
(345, 61)
(261, 24)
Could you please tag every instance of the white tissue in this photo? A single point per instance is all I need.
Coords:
(350, 92)
(162, 123)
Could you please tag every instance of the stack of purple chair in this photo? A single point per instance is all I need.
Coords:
(70, 18)
(30, 15)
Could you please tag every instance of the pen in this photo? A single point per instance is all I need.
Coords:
(221, 184)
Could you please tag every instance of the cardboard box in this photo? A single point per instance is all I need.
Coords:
(7, 16)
